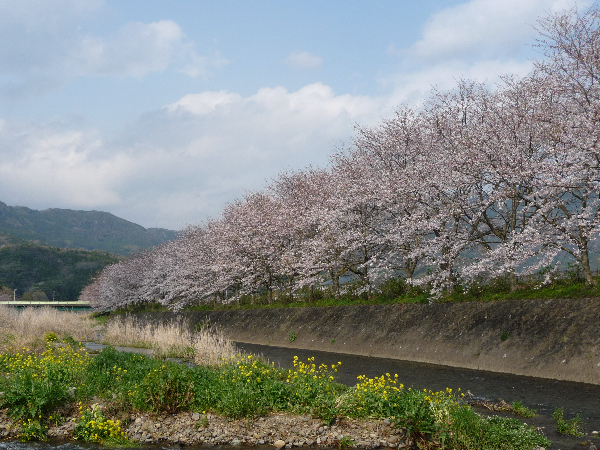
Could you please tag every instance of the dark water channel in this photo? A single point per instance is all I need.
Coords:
(543, 395)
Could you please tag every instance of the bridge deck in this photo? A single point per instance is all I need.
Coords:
(22, 304)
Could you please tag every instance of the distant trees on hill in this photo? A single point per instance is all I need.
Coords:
(48, 273)
(475, 183)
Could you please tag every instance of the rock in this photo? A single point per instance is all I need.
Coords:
(196, 416)
(392, 439)
(386, 422)
(236, 442)
(279, 443)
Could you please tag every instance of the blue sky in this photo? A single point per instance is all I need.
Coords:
(162, 112)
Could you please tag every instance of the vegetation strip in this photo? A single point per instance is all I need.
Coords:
(91, 398)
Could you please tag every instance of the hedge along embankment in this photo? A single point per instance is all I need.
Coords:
(558, 339)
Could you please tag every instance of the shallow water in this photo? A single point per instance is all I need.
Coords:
(543, 395)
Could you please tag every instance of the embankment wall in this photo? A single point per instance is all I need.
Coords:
(557, 339)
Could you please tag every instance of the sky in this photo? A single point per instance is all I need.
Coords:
(163, 112)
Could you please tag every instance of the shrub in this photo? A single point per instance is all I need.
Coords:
(38, 384)
(92, 426)
(168, 388)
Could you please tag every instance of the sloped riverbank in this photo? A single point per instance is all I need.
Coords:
(557, 339)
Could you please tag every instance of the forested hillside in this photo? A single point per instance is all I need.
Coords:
(89, 230)
(45, 273)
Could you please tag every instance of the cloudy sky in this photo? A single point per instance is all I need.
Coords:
(162, 112)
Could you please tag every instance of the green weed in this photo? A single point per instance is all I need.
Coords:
(573, 427)
(92, 426)
(520, 410)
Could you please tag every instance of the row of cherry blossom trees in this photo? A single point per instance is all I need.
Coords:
(475, 183)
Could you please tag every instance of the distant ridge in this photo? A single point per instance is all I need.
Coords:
(88, 230)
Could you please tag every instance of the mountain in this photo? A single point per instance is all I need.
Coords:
(88, 230)
(48, 273)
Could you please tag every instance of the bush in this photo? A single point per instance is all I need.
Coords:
(92, 426)
(168, 388)
(39, 384)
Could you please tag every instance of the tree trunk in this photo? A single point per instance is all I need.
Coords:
(512, 281)
(335, 280)
(585, 263)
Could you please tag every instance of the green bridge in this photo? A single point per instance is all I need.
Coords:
(75, 306)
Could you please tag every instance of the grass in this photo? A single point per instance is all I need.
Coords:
(566, 285)
(573, 427)
(174, 339)
(25, 327)
(38, 387)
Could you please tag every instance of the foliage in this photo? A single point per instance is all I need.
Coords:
(90, 230)
(520, 410)
(32, 430)
(39, 384)
(473, 188)
(168, 388)
(42, 273)
(243, 386)
(573, 426)
(473, 432)
(92, 426)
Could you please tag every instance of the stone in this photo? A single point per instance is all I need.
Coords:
(279, 443)
(196, 416)
(392, 439)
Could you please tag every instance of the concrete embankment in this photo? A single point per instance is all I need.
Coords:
(558, 339)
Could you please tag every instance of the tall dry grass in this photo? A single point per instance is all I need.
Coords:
(172, 339)
(24, 327)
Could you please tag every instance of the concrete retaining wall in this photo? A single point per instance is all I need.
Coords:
(557, 339)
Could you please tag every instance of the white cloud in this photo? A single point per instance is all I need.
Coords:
(48, 165)
(483, 28)
(201, 66)
(204, 103)
(414, 87)
(43, 45)
(181, 163)
(136, 50)
(303, 60)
